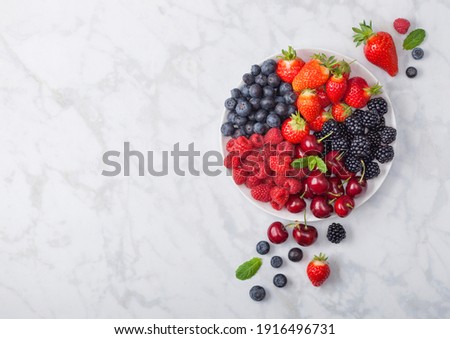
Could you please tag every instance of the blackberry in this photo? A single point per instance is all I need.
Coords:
(336, 233)
(378, 104)
(384, 154)
(357, 113)
(372, 170)
(369, 157)
(276, 261)
(340, 144)
(279, 280)
(388, 135)
(360, 146)
(374, 139)
(354, 125)
(370, 119)
(352, 164)
(262, 247)
(257, 293)
(380, 126)
(330, 126)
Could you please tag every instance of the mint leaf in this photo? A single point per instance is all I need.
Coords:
(312, 161)
(248, 269)
(414, 39)
(321, 166)
(300, 163)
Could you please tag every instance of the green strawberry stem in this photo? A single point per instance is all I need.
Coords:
(328, 62)
(374, 90)
(320, 257)
(288, 55)
(362, 34)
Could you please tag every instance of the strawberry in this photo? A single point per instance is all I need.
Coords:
(359, 93)
(345, 68)
(401, 25)
(314, 73)
(340, 111)
(273, 136)
(294, 129)
(289, 65)
(316, 124)
(379, 47)
(261, 192)
(323, 97)
(336, 85)
(308, 104)
(318, 270)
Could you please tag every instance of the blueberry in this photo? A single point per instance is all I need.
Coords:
(248, 78)
(245, 91)
(256, 69)
(279, 99)
(230, 103)
(261, 115)
(281, 109)
(248, 128)
(237, 133)
(240, 121)
(273, 80)
(276, 261)
(231, 117)
(260, 128)
(227, 129)
(273, 120)
(267, 103)
(417, 53)
(295, 254)
(251, 117)
(411, 72)
(257, 293)
(269, 91)
(290, 98)
(291, 110)
(236, 93)
(285, 87)
(268, 66)
(255, 91)
(262, 247)
(244, 131)
(279, 280)
(261, 80)
(255, 102)
(243, 108)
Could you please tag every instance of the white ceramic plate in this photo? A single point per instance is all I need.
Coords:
(373, 185)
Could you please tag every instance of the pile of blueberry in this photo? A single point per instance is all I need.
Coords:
(363, 137)
(262, 102)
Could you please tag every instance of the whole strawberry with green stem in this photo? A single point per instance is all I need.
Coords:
(308, 104)
(379, 47)
(337, 84)
(359, 92)
(289, 65)
(294, 128)
(314, 73)
(318, 270)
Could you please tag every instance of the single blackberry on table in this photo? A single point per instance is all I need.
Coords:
(384, 154)
(360, 146)
(374, 139)
(378, 104)
(336, 233)
(372, 170)
(388, 135)
(370, 119)
(354, 125)
(352, 164)
(340, 144)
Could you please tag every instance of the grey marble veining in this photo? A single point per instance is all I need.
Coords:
(78, 78)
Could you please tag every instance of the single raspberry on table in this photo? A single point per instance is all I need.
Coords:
(401, 25)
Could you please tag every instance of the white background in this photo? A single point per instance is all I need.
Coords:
(78, 78)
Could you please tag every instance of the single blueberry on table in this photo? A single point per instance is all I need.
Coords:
(411, 72)
(295, 254)
(417, 53)
(276, 261)
(257, 293)
(262, 247)
(279, 280)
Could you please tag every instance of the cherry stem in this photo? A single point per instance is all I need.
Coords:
(326, 136)
(331, 201)
(304, 217)
(363, 171)
(339, 157)
(349, 206)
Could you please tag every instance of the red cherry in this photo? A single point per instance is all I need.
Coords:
(298, 152)
(295, 204)
(317, 183)
(306, 193)
(344, 205)
(320, 207)
(277, 233)
(305, 235)
(333, 161)
(310, 145)
(356, 186)
(335, 189)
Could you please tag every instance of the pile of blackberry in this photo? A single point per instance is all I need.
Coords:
(262, 102)
(363, 137)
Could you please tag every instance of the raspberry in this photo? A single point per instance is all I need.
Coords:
(232, 160)
(242, 144)
(280, 163)
(279, 195)
(230, 145)
(257, 140)
(262, 171)
(285, 147)
(293, 185)
(273, 136)
(261, 192)
(269, 181)
(239, 176)
(401, 25)
(253, 182)
(279, 180)
(268, 151)
(276, 206)
(297, 173)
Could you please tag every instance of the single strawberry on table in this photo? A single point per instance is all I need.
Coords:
(308, 104)
(289, 65)
(314, 73)
(294, 128)
(340, 111)
(359, 92)
(379, 47)
(318, 270)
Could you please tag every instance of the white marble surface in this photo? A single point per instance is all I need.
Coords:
(78, 78)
